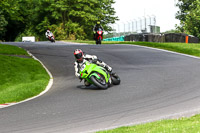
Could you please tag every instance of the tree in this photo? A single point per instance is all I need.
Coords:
(3, 24)
(181, 14)
(192, 19)
(15, 13)
(189, 15)
(171, 31)
(79, 16)
(184, 6)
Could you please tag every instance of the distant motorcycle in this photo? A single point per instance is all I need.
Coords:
(51, 38)
(99, 36)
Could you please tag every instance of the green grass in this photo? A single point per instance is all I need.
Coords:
(190, 49)
(182, 125)
(12, 50)
(20, 78)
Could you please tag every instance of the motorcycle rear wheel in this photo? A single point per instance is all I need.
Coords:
(115, 79)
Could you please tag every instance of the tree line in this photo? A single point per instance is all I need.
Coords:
(67, 19)
(74, 19)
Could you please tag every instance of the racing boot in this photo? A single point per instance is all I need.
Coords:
(86, 83)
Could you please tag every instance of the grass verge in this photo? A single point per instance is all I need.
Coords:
(191, 49)
(21, 77)
(182, 125)
(12, 50)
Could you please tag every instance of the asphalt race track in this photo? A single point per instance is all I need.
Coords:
(154, 85)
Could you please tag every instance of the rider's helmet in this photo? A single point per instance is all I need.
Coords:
(48, 31)
(98, 22)
(78, 53)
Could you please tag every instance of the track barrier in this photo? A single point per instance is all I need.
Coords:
(121, 38)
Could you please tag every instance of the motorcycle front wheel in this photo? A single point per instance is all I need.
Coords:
(99, 83)
(100, 40)
(52, 40)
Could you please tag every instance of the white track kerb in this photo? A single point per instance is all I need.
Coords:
(43, 92)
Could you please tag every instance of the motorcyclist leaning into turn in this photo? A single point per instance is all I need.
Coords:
(96, 27)
(48, 33)
(80, 58)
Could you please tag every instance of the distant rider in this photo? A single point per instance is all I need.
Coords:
(48, 34)
(96, 27)
(80, 58)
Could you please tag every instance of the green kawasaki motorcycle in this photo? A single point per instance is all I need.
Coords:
(98, 75)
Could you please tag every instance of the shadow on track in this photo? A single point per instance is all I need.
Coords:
(91, 87)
